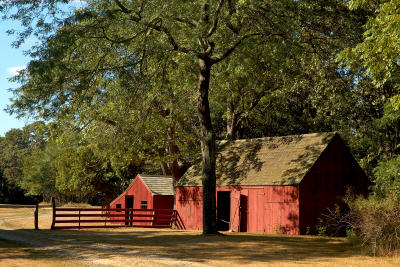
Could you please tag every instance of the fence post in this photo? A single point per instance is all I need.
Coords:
(79, 219)
(36, 216)
(53, 205)
(173, 219)
(131, 218)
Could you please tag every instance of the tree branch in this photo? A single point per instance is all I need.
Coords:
(216, 18)
(159, 27)
(125, 10)
(156, 24)
(118, 41)
(122, 7)
(229, 51)
(190, 23)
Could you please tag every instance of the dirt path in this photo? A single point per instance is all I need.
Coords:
(86, 252)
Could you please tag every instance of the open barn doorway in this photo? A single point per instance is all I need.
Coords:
(128, 205)
(223, 210)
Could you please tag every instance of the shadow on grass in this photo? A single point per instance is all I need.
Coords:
(192, 246)
(16, 251)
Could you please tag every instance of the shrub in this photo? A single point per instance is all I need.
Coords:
(377, 223)
(321, 228)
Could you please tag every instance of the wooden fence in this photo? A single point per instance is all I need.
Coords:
(81, 218)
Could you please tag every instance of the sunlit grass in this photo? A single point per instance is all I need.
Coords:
(225, 250)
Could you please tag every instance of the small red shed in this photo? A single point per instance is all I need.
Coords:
(273, 185)
(147, 192)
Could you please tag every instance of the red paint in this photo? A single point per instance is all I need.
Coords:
(282, 208)
(140, 192)
(253, 216)
(327, 181)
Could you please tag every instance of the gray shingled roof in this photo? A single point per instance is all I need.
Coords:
(159, 185)
(263, 161)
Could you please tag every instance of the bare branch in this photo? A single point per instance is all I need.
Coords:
(216, 18)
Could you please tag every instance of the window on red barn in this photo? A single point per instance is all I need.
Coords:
(118, 206)
(143, 205)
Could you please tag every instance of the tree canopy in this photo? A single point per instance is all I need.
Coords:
(130, 86)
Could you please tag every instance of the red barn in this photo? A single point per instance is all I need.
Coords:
(147, 192)
(273, 185)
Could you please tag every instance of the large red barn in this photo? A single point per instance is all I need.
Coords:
(147, 192)
(278, 184)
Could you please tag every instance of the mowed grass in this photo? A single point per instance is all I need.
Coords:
(226, 250)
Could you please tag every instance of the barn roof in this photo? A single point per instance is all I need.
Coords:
(263, 161)
(159, 185)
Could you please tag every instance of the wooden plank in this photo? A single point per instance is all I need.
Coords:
(53, 206)
(94, 215)
(100, 221)
(110, 226)
(121, 209)
(156, 218)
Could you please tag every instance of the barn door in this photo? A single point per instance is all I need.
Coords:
(235, 211)
(223, 210)
(255, 211)
(244, 211)
(128, 205)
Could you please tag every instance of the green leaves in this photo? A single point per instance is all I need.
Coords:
(378, 53)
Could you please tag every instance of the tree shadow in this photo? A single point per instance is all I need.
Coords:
(192, 246)
(274, 160)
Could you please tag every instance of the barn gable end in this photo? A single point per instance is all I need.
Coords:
(327, 182)
(147, 192)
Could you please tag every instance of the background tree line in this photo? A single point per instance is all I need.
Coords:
(121, 87)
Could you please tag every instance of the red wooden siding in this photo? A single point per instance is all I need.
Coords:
(141, 192)
(326, 183)
(273, 206)
(269, 209)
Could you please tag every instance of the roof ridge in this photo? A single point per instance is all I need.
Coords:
(151, 176)
(278, 137)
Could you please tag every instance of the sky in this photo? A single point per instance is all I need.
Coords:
(11, 60)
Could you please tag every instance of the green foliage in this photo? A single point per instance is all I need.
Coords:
(39, 172)
(308, 230)
(353, 237)
(321, 228)
(387, 179)
(118, 81)
(378, 53)
(377, 224)
(11, 193)
(17, 144)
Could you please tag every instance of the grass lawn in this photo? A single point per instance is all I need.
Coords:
(190, 246)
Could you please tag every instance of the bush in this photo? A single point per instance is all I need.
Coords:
(353, 237)
(377, 223)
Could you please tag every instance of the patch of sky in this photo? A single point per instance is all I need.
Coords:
(15, 59)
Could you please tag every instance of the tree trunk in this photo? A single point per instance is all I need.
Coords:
(174, 150)
(207, 140)
(232, 123)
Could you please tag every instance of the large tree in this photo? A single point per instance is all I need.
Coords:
(156, 50)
